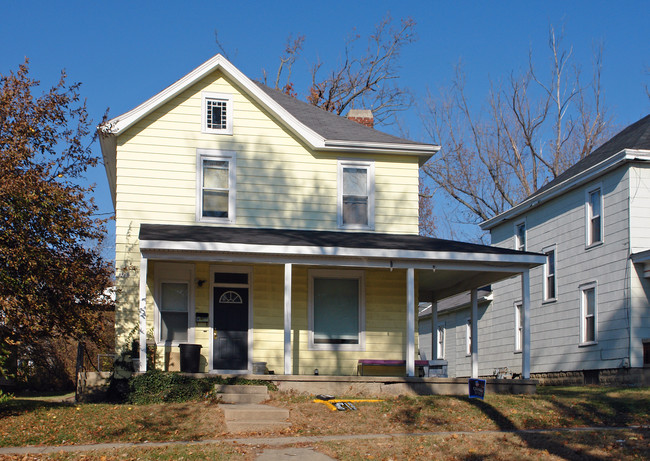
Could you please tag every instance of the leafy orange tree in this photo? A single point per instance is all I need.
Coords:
(53, 280)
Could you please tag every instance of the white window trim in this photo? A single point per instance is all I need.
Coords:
(220, 155)
(440, 349)
(588, 216)
(342, 274)
(546, 299)
(468, 337)
(518, 305)
(205, 95)
(231, 270)
(370, 167)
(516, 233)
(584, 287)
(173, 273)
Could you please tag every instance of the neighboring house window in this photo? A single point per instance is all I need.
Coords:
(356, 195)
(336, 310)
(216, 113)
(550, 281)
(519, 326)
(440, 338)
(216, 178)
(589, 314)
(594, 223)
(468, 336)
(520, 236)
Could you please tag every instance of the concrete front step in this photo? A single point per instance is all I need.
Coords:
(243, 398)
(254, 412)
(248, 418)
(240, 389)
(244, 426)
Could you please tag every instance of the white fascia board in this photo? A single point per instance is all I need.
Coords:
(575, 181)
(408, 257)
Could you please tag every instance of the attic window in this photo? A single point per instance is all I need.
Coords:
(216, 113)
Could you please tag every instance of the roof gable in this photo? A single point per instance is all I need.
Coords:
(320, 129)
(635, 137)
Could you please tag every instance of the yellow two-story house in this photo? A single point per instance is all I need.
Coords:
(267, 230)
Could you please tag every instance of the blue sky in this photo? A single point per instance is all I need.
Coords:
(125, 52)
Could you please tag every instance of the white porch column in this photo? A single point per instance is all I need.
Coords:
(434, 330)
(287, 320)
(474, 333)
(525, 312)
(142, 314)
(410, 322)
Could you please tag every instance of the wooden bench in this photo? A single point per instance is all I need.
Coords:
(398, 366)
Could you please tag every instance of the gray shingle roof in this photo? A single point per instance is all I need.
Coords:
(635, 136)
(306, 238)
(330, 126)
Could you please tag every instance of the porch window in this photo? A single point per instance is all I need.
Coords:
(336, 313)
(174, 304)
(550, 285)
(594, 225)
(216, 113)
(468, 336)
(216, 184)
(588, 330)
(356, 195)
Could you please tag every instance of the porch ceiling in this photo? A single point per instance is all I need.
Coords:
(444, 267)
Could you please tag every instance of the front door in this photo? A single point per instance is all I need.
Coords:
(230, 329)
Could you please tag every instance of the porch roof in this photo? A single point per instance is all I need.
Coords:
(445, 267)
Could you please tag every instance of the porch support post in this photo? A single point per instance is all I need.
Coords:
(525, 308)
(410, 322)
(142, 314)
(474, 333)
(287, 320)
(434, 330)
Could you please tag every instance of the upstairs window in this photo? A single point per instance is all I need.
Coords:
(356, 196)
(216, 186)
(550, 285)
(216, 113)
(520, 236)
(594, 224)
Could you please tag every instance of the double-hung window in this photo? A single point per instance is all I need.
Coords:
(356, 195)
(588, 314)
(440, 341)
(519, 326)
(216, 180)
(468, 336)
(216, 113)
(550, 281)
(174, 320)
(594, 216)
(520, 236)
(336, 310)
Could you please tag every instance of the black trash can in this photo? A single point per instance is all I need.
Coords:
(190, 357)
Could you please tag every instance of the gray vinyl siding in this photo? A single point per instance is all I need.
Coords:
(555, 325)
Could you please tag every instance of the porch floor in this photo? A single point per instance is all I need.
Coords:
(385, 385)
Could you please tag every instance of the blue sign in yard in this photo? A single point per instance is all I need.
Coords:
(477, 388)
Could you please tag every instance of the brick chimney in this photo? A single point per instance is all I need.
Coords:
(362, 116)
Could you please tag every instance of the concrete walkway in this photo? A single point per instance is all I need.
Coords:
(271, 454)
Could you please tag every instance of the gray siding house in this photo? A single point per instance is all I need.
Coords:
(590, 303)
